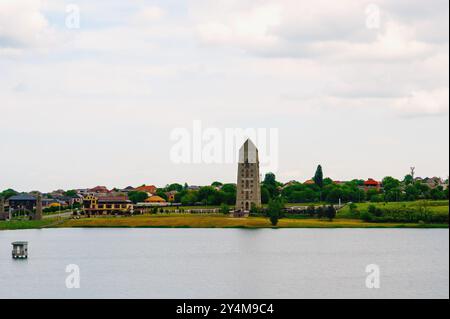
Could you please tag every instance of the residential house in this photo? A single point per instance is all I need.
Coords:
(171, 196)
(155, 199)
(372, 184)
(105, 205)
(99, 190)
(149, 189)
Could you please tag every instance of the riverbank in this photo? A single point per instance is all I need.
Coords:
(199, 221)
(436, 212)
(29, 224)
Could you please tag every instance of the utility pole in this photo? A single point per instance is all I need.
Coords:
(413, 171)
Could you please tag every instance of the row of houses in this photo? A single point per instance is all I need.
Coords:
(102, 201)
(368, 184)
(97, 200)
(371, 183)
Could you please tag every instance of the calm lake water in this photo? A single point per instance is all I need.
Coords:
(227, 263)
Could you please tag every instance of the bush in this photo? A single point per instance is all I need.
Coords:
(275, 211)
(225, 209)
(311, 210)
(367, 217)
(412, 214)
(331, 212)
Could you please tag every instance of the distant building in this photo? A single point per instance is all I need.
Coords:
(127, 189)
(149, 189)
(193, 188)
(50, 202)
(82, 191)
(290, 183)
(309, 182)
(22, 202)
(248, 184)
(372, 184)
(434, 182)
(155, 199)
(105, 205)
(99, 190)
(171, 196)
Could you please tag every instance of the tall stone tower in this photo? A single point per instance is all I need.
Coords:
(248, 184)
(38, 214)
(3, 215)
(2, 206)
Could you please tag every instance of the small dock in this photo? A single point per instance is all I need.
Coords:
(20, 250)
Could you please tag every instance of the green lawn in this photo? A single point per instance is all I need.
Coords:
(208, 221)
(436, 210)
(27, 224)
(404, 214)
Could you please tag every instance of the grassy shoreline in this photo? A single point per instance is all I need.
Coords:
(196, 221)
(345, 219)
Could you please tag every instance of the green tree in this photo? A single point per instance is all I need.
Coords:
(225, 209)
(318, 177)
(408, 180)
(8, 193)
(390, 183)
(162, 194)
(331, 212)
(71, 193)
(190, 198)
(174, 187)
(216, 184)
(137, 197)
(265, 194)
(270, 179)
(228, 194)
(275, 210)
(371, 193)
(271, 184)
(353, 209)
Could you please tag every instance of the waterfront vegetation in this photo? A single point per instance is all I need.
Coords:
(216, 221)
(425, 212)
(28, 224)
(418, 214)
(317, 190)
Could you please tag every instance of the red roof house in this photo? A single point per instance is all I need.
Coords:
(99, 190)
(372, 184)
(150, 189)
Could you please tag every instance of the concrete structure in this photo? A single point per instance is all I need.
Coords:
(3, 215)
(20, 250)
(38, 212)
(22, 204)
(248, 183)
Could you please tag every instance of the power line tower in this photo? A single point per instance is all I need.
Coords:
(413, 171)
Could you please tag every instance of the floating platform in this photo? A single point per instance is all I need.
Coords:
(20, 250)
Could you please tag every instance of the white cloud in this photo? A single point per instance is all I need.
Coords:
(290, 28)
(23, 25)
(148, 15)
(435, 102)
(247, 28)
(142, 67)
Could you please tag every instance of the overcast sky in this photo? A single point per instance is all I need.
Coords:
(363, 94)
